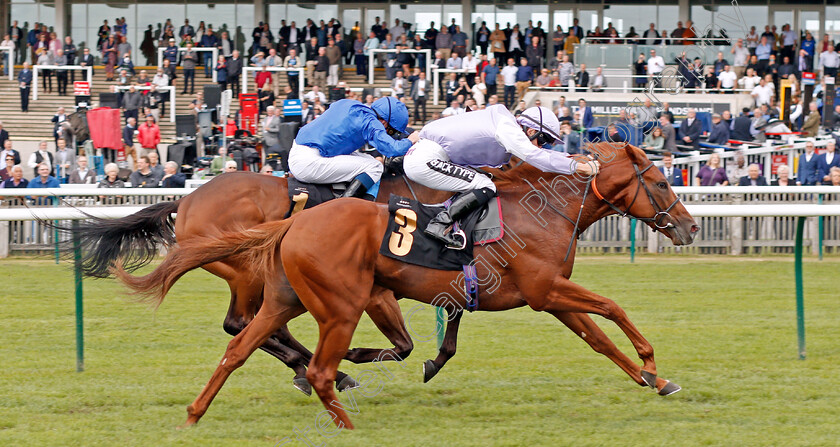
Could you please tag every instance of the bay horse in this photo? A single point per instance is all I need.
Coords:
(334, 268)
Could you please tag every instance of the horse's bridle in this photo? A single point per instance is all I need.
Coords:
(657, 218)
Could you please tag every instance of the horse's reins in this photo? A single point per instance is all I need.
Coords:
(660, 213)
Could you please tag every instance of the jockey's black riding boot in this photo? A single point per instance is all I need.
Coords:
(439, 227)
(357, 189)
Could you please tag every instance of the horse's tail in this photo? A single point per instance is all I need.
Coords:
(133, 239)
(258, 244)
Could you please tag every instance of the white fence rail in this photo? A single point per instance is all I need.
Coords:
(762, 155)
(734, 220)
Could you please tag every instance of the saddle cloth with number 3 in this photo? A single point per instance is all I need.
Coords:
(405, 240)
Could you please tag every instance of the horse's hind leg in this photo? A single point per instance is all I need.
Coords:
(245, 300)
(386, 314)
(343, 382)
(583, 326)
(269, 319)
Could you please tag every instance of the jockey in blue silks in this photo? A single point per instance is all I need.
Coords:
(326, 150)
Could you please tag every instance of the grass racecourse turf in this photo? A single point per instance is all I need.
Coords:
(723, 328)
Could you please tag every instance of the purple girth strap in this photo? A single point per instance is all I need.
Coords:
(471, 287)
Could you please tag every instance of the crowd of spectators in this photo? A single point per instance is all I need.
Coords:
(492, 65)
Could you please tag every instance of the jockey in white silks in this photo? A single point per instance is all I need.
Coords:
(450, 147)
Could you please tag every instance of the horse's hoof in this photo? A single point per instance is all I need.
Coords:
(189, 423)
(429, 370)
(347, 383)
(649, 378)
(303, 385)
(669, 389)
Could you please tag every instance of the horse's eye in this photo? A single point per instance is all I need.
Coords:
(662, 185)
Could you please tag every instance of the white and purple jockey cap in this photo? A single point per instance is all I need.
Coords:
(541, 119)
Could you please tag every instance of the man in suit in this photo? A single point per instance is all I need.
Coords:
(171, 177)
(753, 177)
(59, 117)
(720, 131)
(308, 31)
(271, 128)
(742, 127)
(291, 36)
(585, 114)
(306, 114)
(189, 59)
(812, 123)
(82, 175)
(25, 81)
(826, 161)
(808, 167)
(16, 35)
(86, 59)
(576, 29)
(570, 143)
(186, 30)
(803, 63)
(419, 93)
(65, 160)
(234, 70)
(582, 79)
(674, 175)
(128, 141)
(690, 130)
(668, 133)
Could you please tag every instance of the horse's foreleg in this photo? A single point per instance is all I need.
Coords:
(566, 296)
(386, 314)
(266, 322)
(586, 329)
(447, 348)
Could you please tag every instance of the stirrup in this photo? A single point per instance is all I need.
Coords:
(459, 234)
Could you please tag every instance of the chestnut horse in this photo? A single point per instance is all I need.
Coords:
(233, 202)
(334, 268)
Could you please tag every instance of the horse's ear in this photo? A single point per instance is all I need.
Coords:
(635, 154)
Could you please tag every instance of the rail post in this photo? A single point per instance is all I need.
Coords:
(77, 269)
(632, 240)
(820, 227)
(55, 234)
(440, 326)
(800, 298)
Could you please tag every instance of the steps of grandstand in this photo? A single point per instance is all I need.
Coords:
(36, 125)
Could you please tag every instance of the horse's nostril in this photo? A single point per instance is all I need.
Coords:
(695, 228)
